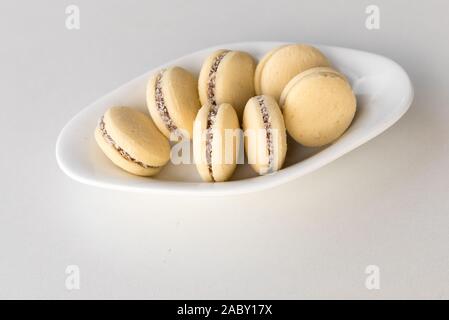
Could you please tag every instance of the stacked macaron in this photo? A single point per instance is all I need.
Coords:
(172, 100)
(265, 137)
(225, 84)
(131, 141)
(292, 89)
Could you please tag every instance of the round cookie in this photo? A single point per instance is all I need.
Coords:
(318, 106)
(281, 64)
(227, 77)
(172, 99)
(131, 141)
(265, 135)
(216, 141)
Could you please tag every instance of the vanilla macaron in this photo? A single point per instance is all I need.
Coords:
(318, 106)
(173, 102)
(227, 77)
(216, 142)
(265, 135)
(281, 64)
(131, 141)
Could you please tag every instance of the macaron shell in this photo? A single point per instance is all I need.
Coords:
(179, 88)
(136, 133)
(284, 64)
(121, 162)
(235, 80)
(255, 135)
(199, 143)
(318, 108)
(225, 150)
(203, 78)
(260, 66)
(309, 72)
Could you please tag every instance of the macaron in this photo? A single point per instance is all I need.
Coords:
(132, 142)
(172, 99)
(281, 64)
(318, 106)
(216, 142)
(227, 77)
(265, 134)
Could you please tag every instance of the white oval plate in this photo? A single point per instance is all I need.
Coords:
(384, 93)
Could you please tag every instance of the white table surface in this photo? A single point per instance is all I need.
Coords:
(384, 204)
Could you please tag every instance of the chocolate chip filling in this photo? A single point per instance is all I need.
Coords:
(211, 117)
(122, 152)
(212, 78)
(268, 131)
(161, 107)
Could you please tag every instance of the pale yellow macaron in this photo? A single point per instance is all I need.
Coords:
(131, 141)
(318, 106)
(265, 135)
(216, 142)
(281, 64)
(172, 99)
(227, 77)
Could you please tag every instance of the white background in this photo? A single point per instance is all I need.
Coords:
(386, 203)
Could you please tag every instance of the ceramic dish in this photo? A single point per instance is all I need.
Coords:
(383, 90)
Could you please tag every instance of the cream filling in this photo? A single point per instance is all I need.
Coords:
(268, 131)
(161, 107)
(122, 152)
(212, 115)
